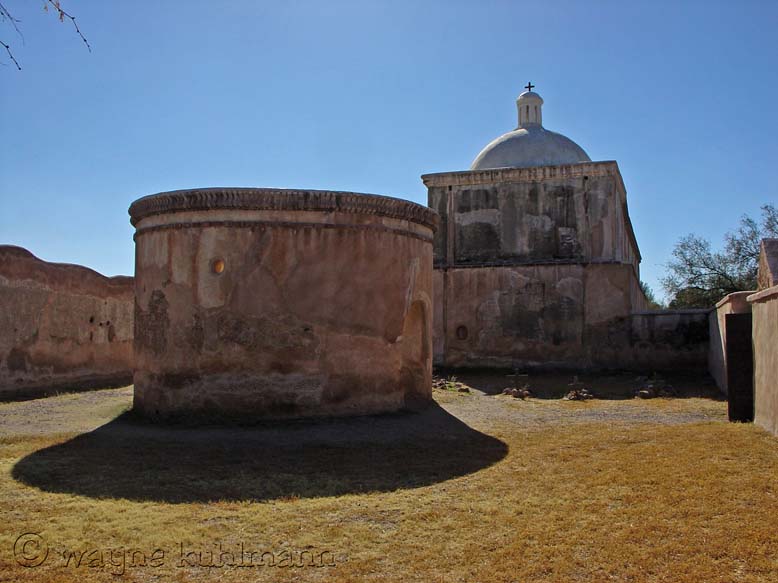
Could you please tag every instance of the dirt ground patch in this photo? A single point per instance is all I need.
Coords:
(480, 487)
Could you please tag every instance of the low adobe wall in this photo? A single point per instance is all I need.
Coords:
(764, 309)
(656, 340)
(734, 303)
(265, 303)
(62, 326)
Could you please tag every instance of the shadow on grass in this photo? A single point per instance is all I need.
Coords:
(133, 460)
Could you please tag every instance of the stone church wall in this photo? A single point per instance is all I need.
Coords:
(61, 326)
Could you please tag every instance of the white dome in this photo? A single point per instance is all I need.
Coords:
(528, 147)
(530, 144)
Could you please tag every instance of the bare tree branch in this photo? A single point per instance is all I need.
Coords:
(6, 15)
(11, 55)
(62, 15)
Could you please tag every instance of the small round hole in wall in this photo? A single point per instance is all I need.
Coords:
(462, 332)
(217, 266)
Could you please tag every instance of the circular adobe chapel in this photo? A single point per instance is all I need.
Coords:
(255, 303)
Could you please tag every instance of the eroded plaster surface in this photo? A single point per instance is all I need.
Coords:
(299, 304)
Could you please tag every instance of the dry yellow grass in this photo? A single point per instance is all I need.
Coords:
(479, 489)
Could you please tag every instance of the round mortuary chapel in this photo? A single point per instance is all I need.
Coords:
(254, 303)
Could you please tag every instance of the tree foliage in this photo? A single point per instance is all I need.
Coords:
(653, 303)
(698, 277)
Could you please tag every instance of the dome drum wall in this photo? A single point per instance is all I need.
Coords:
(530, 108)
(261, 303)
(566, 213)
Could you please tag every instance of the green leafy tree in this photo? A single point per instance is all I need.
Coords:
(653, 303)
(698, 277)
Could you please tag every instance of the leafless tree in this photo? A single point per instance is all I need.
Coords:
(54, 6)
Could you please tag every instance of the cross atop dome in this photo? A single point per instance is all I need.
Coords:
(529, 86)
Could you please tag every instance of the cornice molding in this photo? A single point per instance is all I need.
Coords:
(278, 199)
(535, 174)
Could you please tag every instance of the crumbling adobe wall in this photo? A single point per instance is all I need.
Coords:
(573, 316)
(511, 316)
(509, 216)
(660, 340)
(545, 315)
(540, 267)
(264, 303)
(61, 326)
(764, 310)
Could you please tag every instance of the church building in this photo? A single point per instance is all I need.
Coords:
(535, 260)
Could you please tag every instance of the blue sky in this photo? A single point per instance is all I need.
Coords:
(367, 96)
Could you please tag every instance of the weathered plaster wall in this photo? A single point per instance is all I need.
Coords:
(638, 299)
(526, 215)
(559, 316)
(540, 267)
(61, 326)
(513, 316)
(734, 303)
(324, 306)
(764, 309)
(663, 340)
